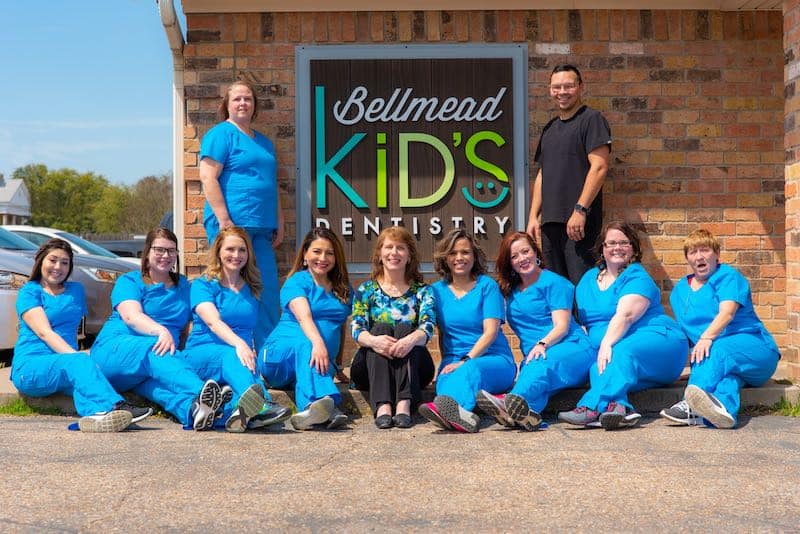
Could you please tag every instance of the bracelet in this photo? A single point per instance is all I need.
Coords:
(542, 342)
(708, 338)
(466, 357)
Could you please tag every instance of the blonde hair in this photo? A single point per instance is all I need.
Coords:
(250, 273)
(700, 238)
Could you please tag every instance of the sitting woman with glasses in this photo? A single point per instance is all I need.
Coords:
(730, 345)
(638, 345)
(137, 346)
(46, 358)
(220, 346)
(556, 353)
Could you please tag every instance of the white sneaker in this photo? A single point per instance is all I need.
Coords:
(494, 406)
(113, 421)
(318, 412)
(682, 414)
(706, 405)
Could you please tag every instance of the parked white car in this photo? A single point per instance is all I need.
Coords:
(38, 235)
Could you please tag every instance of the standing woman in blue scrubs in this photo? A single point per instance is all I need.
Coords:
(556, 352)
(316, 300)
(46, 358)
(220, 346)
(730, 345)
(137, 346)
(475, 353)
(238, 171)
(638, 346)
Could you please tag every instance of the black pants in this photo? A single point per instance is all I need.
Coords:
(392, 379)
(570, 259)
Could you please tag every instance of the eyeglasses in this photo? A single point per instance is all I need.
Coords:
(564, 87)
(161, 251)
(612, 244)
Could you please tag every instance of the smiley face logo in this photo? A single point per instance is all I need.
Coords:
(498, 173)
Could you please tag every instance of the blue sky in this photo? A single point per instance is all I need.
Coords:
(86, 84)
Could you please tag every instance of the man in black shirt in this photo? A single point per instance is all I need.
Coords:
(573, 154)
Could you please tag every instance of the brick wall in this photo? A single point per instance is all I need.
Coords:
(791, 44)
(694, 98)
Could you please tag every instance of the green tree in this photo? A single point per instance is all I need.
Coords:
(109, 212)
(150, 198)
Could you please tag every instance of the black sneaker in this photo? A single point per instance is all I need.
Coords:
(271, 414)
(137, 413)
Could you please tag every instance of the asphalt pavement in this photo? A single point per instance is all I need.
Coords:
(160, 477)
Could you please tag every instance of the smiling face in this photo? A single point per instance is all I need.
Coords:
(617, 249)
(240, 104)
(320, 257)
(461, 258)
(703, 261)
(523, 258)
(162, 256)
(233, 254)
(55, 267)
(566, 90)
(394, 255)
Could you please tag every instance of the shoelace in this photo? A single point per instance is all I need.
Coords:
(691, 418)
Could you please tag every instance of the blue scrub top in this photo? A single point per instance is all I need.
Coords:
(64, 312)
(248, 180)
(529, 312)
(238, 310)
(460, 320)
(695, 310)
(168, 306)
(596, 307)
(328, 312)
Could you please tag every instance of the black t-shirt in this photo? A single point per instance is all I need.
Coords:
(563, 155)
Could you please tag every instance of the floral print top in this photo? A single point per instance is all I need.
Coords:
(372, 306)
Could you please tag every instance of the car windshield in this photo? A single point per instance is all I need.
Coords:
(9, 241)
(90, 247)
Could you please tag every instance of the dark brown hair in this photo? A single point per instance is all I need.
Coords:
(507, 277)
(338, 276)
(445, 246)
(44, 250)
(152, 235)
(629, 232)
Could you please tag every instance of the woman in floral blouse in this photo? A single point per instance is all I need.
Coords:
(393, 320)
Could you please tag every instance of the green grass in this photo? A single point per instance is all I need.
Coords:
(787, 408)
(19, 407)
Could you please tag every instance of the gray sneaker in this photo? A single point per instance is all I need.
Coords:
(494, 406)
(250, 404)
(318, 412)
(337, 419)
(581, 416)
(460, 419)
(205, 407)
(113, 421)
(706, 405)
(521, 413)
(681, 413)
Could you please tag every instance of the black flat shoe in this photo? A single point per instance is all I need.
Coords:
(384, 422)
(402, 420)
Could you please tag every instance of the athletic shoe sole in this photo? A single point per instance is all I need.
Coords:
(260, 421)
(491, 406)
(521, 413)
(114, 421)
(226, 395)
(688, 421)
(454, 414)
(210, 400)
(250, 404)
(431, 415)
(317, 413)
(708, 407)
(614, 420)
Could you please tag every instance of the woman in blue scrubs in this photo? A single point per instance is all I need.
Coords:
(46, 358)
(238, 170)
(731, 347)
(220, 346)
(475, 353)
(556, 352)
(638, 346)
(316, 300)
(136, 347)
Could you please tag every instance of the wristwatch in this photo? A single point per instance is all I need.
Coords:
(581, 208)
(542, 343)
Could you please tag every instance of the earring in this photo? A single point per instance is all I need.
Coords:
(538, 262)
(305, 263)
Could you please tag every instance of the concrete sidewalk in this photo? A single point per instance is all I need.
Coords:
(355, 403)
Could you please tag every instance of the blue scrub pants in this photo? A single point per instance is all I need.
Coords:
(493, 373)
(74, 374)
(645, 359)
(734, 361)
(566, 366)
(282, 369)
(220, 363)
(269, 310)
(130, 364)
